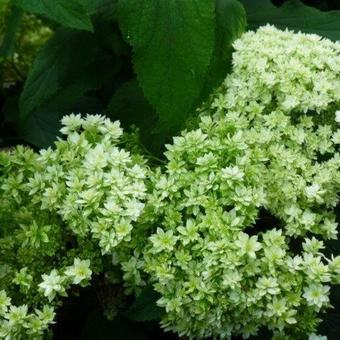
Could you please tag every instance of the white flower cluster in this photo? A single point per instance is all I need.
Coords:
(215, 279)
(65, 204)
(58, 283)
(259, 147)
(282, 70)
(267, 145)
(16, 322)
(94, 185)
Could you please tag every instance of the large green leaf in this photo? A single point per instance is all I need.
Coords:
(42, 126)
(39, 129)
(63, 58)
(293, 15)
(69, 13)
(105, 8)
(230, 24)
(173, 43)
(129, 105)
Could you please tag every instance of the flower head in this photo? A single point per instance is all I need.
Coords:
(79, 271)
(52, 284)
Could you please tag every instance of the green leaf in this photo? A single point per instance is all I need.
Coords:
(145, 307)
(12, 23)
(230, 24)
(173, 43)
(68, 13)
(64, 57)
(39, 129)
(42, 126)
(295, 16)
(129, 105)
(105, 8)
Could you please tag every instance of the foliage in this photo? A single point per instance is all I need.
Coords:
(69, 13)
(174, 76)
(114, 213)
(294, 15)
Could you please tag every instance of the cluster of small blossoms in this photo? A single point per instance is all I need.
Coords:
(217, 274)
(18, 322)
(215, 278)
(302, 171)
(278, 79)
(200, 239)
(69, 204)
(94, 185)
(57, 283)
(282, 70)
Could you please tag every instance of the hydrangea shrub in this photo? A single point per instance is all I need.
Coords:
(61, 211)
(217, 274)
(267, 144)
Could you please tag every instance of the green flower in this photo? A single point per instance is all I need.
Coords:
(163, 240)
(52, 284)
(248, 245)
(316, 295)
(79, 271)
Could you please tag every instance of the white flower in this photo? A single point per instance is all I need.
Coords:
(5, 301)
(52, 284)
(133, 209)
(111, 207)
(268, 285)
(71, 123)
(248, 245)
(123, 229)
(111, 128)
(96, 158)
(163, 240)
(16, 315)
(79, 271)
(316, 295)
(308, 218)
(232, 173)
(93, 121)
(336, 137)
(312, 190)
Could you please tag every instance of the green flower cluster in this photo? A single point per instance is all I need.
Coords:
(282, 70)
(267, 144)
(219, 275)
(216, 273)
(17, 322)
(61, 211)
